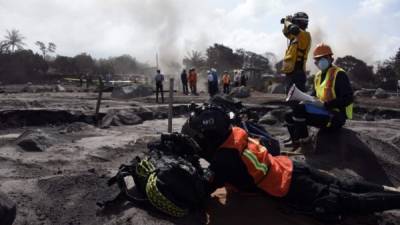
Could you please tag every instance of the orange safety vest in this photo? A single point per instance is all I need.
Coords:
(226, 79)
(272, 174)
(192, 77)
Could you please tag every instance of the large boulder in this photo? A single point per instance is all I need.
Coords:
(34, 141)
(8, 210)
(240, 92)
(120, 117)
(356, 155)
(132, 91)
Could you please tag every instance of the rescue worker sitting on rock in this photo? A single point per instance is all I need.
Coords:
(334, 103)
(242, 162)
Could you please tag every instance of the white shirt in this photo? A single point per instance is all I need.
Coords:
(210, 77)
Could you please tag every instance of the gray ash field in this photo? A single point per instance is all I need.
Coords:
(59, 178)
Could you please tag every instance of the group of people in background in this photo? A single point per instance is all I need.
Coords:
(189, 81)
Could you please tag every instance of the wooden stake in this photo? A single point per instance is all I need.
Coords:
(170, 111)
(99, 101)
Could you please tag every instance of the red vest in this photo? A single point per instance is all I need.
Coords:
(270, 173)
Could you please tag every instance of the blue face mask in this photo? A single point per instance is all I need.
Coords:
(323, 64)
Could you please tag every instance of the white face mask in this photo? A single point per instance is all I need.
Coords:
(323, 64)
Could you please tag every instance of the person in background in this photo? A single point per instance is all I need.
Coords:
(184, 80)
(243, 79)
(236, 79)
(159, 79)
(210, 79)
(193, 81)
(226, 81)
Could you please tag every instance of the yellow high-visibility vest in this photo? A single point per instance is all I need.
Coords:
(297, 51)
(325, 90)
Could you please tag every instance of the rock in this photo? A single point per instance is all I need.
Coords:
(268, 119)
(8, 210)
(380, 93)
(362, 156)
(391, 217)
(240, 92)
(120, 117)
(76, 127)
(34, 141)
(369, 117)
(60, 88)
(132, 91)
(276, 88)
(279, 114)
(365, 93)
(28, 89)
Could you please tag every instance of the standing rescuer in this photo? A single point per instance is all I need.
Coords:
(192, 78)
(244, 163)
(226, 81)
(294, 62)
(334, 103)
(159, 78)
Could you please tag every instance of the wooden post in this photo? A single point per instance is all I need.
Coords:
(170, 111)
(99, 101)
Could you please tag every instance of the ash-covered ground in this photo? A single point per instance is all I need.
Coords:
(60, 181)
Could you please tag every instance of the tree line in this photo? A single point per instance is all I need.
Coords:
(20, 65)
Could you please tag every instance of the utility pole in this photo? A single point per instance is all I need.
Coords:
(157, 60)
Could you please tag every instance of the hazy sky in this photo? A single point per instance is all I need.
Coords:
(368, 29)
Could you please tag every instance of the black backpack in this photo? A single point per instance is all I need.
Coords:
(169, 177)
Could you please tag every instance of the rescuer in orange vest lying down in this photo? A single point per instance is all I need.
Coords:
(242, 162)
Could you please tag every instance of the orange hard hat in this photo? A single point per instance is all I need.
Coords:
(321, 50)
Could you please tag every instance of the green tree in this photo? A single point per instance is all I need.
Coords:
(84, 63)
(13, 41)
(357, 70)
(124, 64)
(64, 65)
(222, 58)
(51, 47)
(194, 59)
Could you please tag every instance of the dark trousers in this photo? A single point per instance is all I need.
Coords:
(304, 115)
(159, 88)
(323, 194)
(226, 88)
(193, 88)
(298, 78)
(212, 89)
(185, 89)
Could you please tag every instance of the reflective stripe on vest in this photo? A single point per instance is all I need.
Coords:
(325, 90)
(271, 174)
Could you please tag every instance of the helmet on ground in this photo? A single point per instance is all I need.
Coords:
(300, 19)
(209, 126)
(322, 50)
